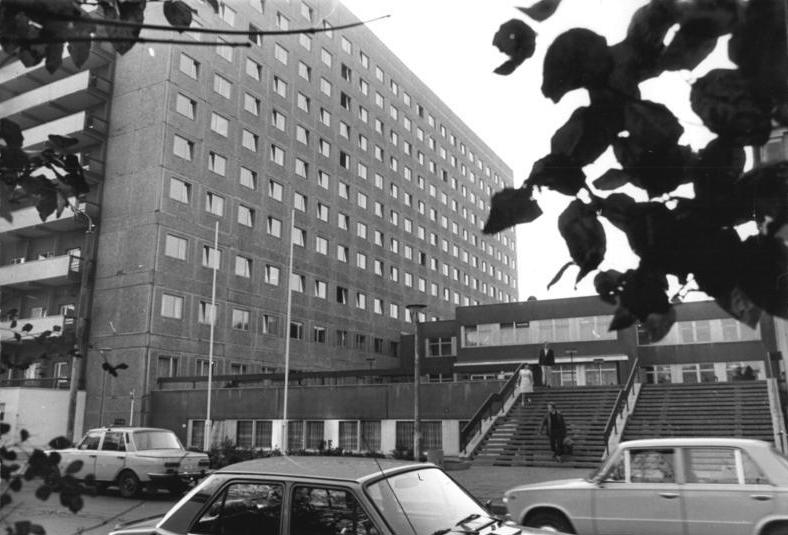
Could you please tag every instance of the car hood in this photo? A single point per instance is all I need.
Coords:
(558, 484)
(142, 525)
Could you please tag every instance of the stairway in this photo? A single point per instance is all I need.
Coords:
(514, 440)
(737, 409)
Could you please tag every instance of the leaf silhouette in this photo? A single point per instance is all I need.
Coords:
(542, 10)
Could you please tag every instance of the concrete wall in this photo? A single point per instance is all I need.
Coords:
(40, 411)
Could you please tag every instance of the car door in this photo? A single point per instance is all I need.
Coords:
(639, 494)
(243, 508)
(111, 456)
(85, 452)
(725, 493)
(322, 510)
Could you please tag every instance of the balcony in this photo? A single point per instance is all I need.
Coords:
(29, 274)
(16, 79)
(39, 326)
(52, 101)
(86, 128)
(27, 224)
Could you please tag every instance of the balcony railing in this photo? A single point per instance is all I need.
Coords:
(56, 324)
(27, 224)
(52, 101)
(53, 271)
(57, 383)
(621, 408)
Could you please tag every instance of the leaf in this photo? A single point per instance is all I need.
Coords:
(653, 126)
(587, 133)
(79, 52)
(622, 319)
(177, 13)
(656, 170)
(612, 179)
(214, 4)
(43, 492)
(24, 434)
(714, 178)
(542, 10)
(16, 484)
(47, 203)
(517, 40)
(658, 325)
(687, 49)
(510, 207)
(559, 274)
(75, 503)
(724, 99)
(764, 278)
(57, 328)
(5, 499)
(763, 192)
(36, 529)
(54, 57)
(74, 467)
(9, 455)
(122, 366)
(11, 133)
(584, 236)
(576, 58)
(557, 172)
(4, 428)
(643, 292)
(27, 327)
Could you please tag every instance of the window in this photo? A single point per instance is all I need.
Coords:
(167, 366)
(361, 261)
(322, 212)
(343, 189)
(254, 69)
(361, 200)
(277, 155)
(247, 178)
(185, 106)
(275, 190)
(377, 306)
(297, 282)
(301, 168)
(227, 13)
(274, 227)
(251, 104)
(217, 163)
(363, 114)
(363, 86)
(304, 71)
(306, 11)
(342, 253)
(211, 257)
(240, 319)
(296, 330)
(319, 335)
(261, 503)
(222, 86)
(393, 310)
(254, 35)
(364, 59)
(280, 87)
(280, 53)
(324, 147)
(325, 87)
(175, 247)
(171, 306)
(305, 41)
(346, 45)
(269, 324)
(325, 116)
(344, 130)
(272, 275)
(361, 300)
(302, 102)
(321, 245)
(180, 190)
(341, 338)
(326, 57)
(245, 215)
(189, 66)
(341, 295)
(344, 159)
(346, 73)
(322, 179)
(205, 314)
(345, 100)
(182, 147)
(343, 221)
(299, 237)
(362, 142)
(278, 119)
(282, 22)
(214, 204)
(361, 230)
(320, 289)
(299, 201)
(379, 73)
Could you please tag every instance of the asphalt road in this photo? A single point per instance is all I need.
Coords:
(103, 511)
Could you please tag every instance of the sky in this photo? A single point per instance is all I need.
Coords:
(448, 44)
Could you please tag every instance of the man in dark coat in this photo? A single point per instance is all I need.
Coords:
(546, 361)
(555, 426)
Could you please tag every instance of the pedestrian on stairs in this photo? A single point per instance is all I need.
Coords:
(525, 383)
(553, 423)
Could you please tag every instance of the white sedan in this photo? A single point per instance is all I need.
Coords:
(133, 458)
(672, 486)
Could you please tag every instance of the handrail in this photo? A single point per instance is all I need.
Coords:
(486, 410)
(622, 401)
(56, 383)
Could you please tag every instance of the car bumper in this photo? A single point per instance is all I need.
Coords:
(169, 477)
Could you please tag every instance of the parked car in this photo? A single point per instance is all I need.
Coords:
(687, 486)
(135, 457)
(327, 495)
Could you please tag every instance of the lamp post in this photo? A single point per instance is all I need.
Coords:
(104, 374)
(572, 352)
(414, 309)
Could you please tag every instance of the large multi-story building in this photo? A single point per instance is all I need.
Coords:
(388, 190)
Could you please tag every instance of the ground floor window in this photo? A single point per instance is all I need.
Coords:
(404, 438)
(197, 437)
(263, 434)
(243, 434)
(431, 435)
(705, 372)
(370, 435)
(295, 435)
(348, 435)
(314, 436)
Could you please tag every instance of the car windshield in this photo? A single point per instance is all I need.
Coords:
(422, 501)
(156, 440)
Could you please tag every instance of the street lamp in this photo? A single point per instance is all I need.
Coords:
(104, 374)
(414, 309)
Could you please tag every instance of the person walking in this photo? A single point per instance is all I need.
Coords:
(555, 426)
(546, 361)
(525, 383)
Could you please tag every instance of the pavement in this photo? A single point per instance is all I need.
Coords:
(490, 482)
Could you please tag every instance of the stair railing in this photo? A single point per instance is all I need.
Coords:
(778, 419)
(621, 408)
(482, 420)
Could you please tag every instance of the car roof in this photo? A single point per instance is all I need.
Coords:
(127, 428)
(340, 468)
(695, 441)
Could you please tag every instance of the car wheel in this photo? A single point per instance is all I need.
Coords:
(129, 484)
(549, 521)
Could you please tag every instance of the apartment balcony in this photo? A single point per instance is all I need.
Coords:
(84, 126)
(27, 224)
(16, 79)
(52, 101)
(29, 274)
(56, 324)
